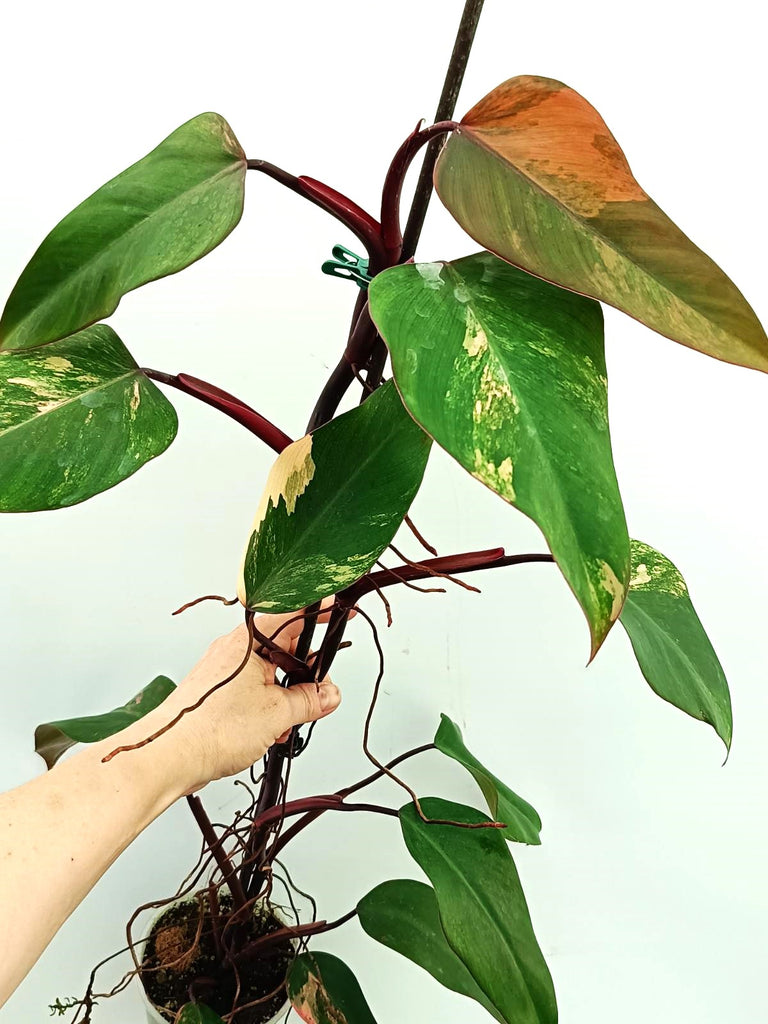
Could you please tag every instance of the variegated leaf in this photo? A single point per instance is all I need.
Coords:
(674, 652)
(534, 175)
(323, 990)
(507, 373)
(333, 501)
(76, 418)
(158, 216)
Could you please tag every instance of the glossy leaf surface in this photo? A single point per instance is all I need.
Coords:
(52, 739)
(507, 373)
(534, 175)
(670, 644)
(403, 915)
(197, 1013)
(333, 501)
(522, 821)
(482, 909)
(323, 990)
(157, 217)
(76, 418)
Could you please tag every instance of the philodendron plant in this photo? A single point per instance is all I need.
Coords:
(498, 358)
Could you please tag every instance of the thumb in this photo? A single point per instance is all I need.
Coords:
(309, 701)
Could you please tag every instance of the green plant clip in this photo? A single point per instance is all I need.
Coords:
(346, 264)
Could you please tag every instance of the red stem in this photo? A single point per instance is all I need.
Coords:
(226, 403)
(393, 186)
(354, 217)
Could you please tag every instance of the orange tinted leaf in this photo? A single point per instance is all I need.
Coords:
(534, 174)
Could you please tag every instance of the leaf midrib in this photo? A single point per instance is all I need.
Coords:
(556, 487)
(585, 224)
(68, 279)
(317, 520)
(68, 401)
(492, 919)
(659, 628)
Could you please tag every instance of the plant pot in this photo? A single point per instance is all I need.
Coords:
(154, 1016)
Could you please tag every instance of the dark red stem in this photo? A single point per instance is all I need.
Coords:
(453, 565)
(226, 403)
(282, 841)
(254, 949)
(354, 217)
(215, 846)
(393, 186)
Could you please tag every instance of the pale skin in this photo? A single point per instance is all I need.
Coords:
(60, 832)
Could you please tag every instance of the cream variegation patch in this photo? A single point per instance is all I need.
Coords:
(291, 472)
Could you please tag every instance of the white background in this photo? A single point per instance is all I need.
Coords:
(648, 895)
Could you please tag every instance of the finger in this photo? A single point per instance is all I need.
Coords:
(307, 702)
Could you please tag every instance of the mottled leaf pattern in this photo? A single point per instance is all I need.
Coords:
(522, 821)
(534, 175)
(507, 373)
(403, 915)
(482, 909)
(671, 647)
(157, 217)
(197, 1013)
(333, 501)
(76, 418)
(323, 990)
(52, 739)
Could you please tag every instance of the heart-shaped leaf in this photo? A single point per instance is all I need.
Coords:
(333, 501)
(158, 216)
(672, 649)
(522, 821)
(323, 990)
(52, 739)
(507, 373)
(482, 908)
(403, 915)
(534, 175)
(76, 418)
(197, 1013)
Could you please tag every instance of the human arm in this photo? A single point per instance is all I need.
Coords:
(60, 832)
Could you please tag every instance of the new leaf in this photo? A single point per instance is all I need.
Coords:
(158, 216)
(507, 373)
(534, 175)
(522, 821)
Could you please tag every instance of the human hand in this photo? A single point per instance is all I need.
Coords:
(236, 725)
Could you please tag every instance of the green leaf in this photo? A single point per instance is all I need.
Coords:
(482, 908)
(534, 175)
(76, 418)
(403, 915)
(157, 217)
(507, 373)
(522, 821)
(671, 647)
(52, 739)
(333, 501)
(197, 1013)
(323, 990)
